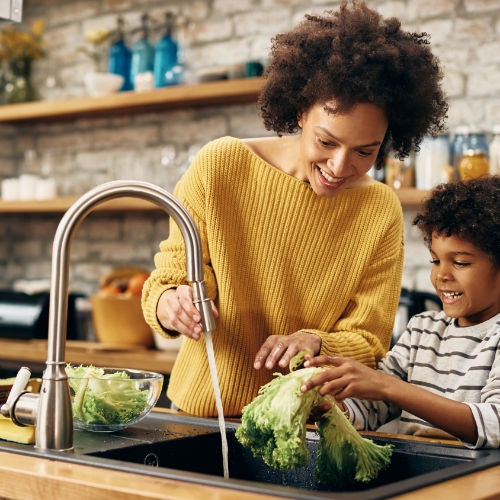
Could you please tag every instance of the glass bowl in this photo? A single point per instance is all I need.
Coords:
(111, 399)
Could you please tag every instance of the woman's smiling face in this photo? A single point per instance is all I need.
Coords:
(338, 149)
(465, 279)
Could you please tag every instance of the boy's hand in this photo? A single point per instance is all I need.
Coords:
(349, 379)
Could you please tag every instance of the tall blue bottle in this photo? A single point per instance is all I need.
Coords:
(143, 53)
(165, 53)
(120, 57)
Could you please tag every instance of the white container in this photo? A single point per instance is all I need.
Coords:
(434, 154)
(494, 152)
(164, 344)
(10, 189)
(27, 186)
(102, 84)
(46, 189)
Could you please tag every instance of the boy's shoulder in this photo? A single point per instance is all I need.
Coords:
(436, 321)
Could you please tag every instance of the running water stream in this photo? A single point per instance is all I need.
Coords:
(218, 400)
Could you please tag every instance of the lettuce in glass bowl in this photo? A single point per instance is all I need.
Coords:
(111, 399)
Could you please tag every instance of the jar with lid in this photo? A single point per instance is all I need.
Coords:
(495, 151)
(458, 147)
(473, 164)
(434, 154)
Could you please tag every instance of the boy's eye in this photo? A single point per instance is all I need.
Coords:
(434, 261)
(461, 264)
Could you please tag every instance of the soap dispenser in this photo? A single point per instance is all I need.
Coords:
(165, 53)
(143, 55)
(120, 56)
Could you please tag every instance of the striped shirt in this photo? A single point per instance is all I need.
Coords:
(459, 363)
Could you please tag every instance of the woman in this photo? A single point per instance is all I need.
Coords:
(302, 249)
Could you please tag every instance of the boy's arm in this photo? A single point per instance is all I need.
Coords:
(351, 379)
(453, 417)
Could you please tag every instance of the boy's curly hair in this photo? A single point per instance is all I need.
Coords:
(469, 210)
(353, 56)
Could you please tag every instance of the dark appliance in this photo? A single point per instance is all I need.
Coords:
(26, 316)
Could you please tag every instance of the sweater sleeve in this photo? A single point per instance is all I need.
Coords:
(364, 329)
(487, 412)
(370, 415)
(170, 262)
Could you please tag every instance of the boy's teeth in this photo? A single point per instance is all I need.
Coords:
(327, 177)
(451, 295)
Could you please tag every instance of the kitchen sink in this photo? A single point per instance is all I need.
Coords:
(189, 449)
(414, 464)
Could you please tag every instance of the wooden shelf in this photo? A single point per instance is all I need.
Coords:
(220, 93)
(409, 197)
(62, 204)
(86, 353)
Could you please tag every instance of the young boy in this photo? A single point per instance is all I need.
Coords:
(443, 376)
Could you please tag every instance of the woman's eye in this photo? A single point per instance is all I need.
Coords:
(365, 153)
(324, 143)
(434, 261)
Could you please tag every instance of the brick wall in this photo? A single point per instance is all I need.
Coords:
(465, 34)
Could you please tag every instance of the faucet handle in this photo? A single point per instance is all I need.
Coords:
(22, 379)
(204, 306)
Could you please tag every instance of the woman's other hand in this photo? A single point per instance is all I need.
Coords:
(348, 379)
(280, 349)
(176, 311)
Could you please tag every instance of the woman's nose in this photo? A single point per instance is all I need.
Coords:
(339, 164)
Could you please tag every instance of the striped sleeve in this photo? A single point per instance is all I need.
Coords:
(487, 412)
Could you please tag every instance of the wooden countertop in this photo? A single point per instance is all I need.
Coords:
(80, 352)
(30, 478)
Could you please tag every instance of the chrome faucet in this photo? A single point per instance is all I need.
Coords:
(50, 410)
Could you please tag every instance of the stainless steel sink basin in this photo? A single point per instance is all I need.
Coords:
(189, 449)
(414, 464)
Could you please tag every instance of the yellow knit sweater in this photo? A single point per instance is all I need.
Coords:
(278, 259)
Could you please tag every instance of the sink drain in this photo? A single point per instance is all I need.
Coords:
(151, 459)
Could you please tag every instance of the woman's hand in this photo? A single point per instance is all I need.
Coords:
(281, 349)
(177, 312)
(349, 379)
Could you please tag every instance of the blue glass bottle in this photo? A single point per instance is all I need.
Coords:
(165, 53)
(458, 147)
(143, 53)
(120, 57)
(478, 140)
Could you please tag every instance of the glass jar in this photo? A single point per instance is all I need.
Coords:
(473, 164)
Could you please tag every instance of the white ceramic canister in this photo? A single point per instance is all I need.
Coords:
(27, 186)
(46, 189)
(10, 189)
(434, 154)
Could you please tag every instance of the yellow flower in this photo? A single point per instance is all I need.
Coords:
(16, 44)
(97, 36)
(38, 27)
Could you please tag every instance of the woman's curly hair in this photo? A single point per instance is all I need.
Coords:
(350, 56)
(469, 210)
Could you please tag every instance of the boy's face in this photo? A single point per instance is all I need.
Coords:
(465, 279)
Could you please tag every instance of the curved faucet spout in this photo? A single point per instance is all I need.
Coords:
(54, 420)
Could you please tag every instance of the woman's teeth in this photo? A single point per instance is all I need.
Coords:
(452, 295)
(327, 177)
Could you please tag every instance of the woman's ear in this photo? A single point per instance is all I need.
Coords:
(299, 120)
